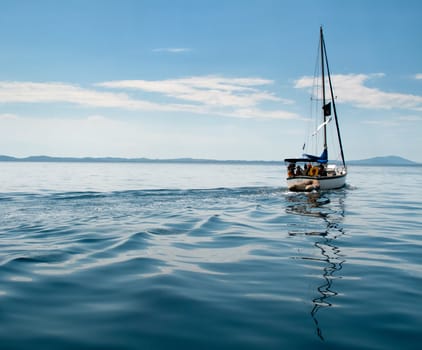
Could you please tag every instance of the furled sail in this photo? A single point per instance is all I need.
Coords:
(323, 158)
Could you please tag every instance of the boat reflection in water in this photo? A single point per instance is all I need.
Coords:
(327, 212)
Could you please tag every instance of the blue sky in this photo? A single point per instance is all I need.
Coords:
(205, 79)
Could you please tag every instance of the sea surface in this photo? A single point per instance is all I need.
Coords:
(207, 256)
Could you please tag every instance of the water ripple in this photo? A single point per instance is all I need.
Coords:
(249, 267)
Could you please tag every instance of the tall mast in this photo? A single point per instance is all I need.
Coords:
(323, 85)
(333, 102)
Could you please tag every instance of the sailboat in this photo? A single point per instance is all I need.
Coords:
(310, 172)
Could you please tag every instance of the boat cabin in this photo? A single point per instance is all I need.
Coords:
(309, 168)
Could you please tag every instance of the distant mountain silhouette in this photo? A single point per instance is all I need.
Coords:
(7, 159)
(376, 161)
(388, 160)
(132, 160)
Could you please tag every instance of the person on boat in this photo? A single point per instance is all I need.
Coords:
(299, 171)
(309, 167)
(306, 168)
(290, 170)
(322, 171)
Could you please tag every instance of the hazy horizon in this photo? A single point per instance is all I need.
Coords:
(190, 159)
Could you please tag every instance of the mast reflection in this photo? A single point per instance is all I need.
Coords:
(329, 207)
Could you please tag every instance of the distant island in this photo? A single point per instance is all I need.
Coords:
(380, 161)
(4, 158)
(376, 161)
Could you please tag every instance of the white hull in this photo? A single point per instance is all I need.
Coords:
(325, 182)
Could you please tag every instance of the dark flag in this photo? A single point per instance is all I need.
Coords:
(327, 109)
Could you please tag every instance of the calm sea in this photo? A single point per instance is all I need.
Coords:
(181, 256)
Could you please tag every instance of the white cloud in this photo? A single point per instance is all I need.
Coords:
(382, 123)
(212, 95)
(30, 92)
(235, 97)
(418, 76)
(268, 114)
(208, 90)
(394, 122)
(411, 118)
(172, 49)
(350, 88)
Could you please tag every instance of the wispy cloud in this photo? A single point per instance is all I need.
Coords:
(30, 92)
(212, 95)
(351, 89)
(233, 97)
(411, 118)
(172, 49)
(208, 90)
(395, 121)
(418, 76)
(382, 123)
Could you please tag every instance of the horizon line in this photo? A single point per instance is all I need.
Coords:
(112, 159)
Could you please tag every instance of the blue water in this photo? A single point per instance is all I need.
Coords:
(159, 256)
